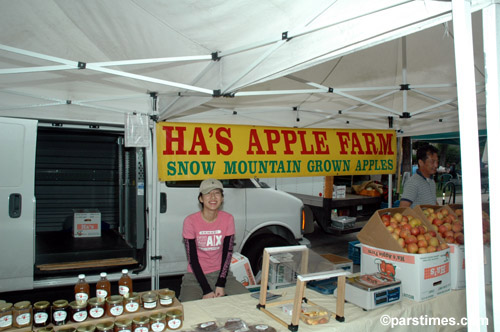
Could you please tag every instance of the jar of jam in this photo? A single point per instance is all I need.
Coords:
(78, 311)
(59, 312)
(85, 328)
(158, 322)
(140, 324)
(21, 314)
(5, 316)
(132, 303)
(174, 319)
(149, 300)
(95, 308)
(114, 305)
(105, 326)
(123, 325)
(166, 297)
(41, 313)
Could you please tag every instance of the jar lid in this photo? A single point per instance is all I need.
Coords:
(149, 297)
(22, 304)
(105, 326)
(166, 294)
(46, 329)
(77, 305)
(158, 316)
(86, 328)
(123, 322)
(5, 306)
(174, 313)
(133, 296)
(114, 299)
(141, 320)
(67, 329)
(60, 303)
(41, 304)
(93, 301)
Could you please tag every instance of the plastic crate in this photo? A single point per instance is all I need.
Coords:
(354, 252)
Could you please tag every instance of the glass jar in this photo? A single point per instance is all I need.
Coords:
(114, 305)
(78, 311)
(85, 328)
(166, 297)
(59, 312)
(21, 314)
(41, 313)
(158, 322)
(132, 303)
(140, 324)
(149, 300)
(105, 326)
(174, 319)
(67, 329)
(5, 316)
(95, 308)
(123, 325)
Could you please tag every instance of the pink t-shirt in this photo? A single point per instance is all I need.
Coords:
(209, 238)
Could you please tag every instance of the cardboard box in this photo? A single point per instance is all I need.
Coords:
(87, 223)
(339, 262)
(281, 271)
(457, 266)
(339, 191)
(423, 276)
(242, 271)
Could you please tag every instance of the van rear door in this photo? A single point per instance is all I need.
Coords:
(17, 207)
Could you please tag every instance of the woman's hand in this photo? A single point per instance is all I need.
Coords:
(210, 295)
(219, 291)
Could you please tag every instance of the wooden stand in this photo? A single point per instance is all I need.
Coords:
(302, 279)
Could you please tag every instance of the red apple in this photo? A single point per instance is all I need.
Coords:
(415, 231)
(431, 249)
(434, 242)
(412, 248)
(411, 239)
(422, 250)
(401, 242)
(404, 233)
(422, 244)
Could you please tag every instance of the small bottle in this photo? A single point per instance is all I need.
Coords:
(103, 288)
(82, 290)
(125, 284)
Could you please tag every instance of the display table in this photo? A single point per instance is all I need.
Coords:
(450, 305)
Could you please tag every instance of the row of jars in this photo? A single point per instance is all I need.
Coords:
(158, 322)
(23, 314)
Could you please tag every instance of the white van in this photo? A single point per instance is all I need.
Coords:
(49, 170)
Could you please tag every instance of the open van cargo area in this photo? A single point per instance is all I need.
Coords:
(87, 169)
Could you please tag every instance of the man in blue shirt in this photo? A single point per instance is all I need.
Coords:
(420, 188)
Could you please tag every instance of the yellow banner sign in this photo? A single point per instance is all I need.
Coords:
(190, 151)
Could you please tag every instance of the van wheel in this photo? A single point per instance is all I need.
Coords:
(255, 249)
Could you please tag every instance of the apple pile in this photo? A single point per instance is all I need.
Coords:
(449, 226)
(411, 234)
(486, 224)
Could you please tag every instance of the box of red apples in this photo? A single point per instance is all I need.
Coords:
(400, 244)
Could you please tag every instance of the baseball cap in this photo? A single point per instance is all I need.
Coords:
(208, 185)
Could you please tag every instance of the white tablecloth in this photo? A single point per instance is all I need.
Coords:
(450, 306)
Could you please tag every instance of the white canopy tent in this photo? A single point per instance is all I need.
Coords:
(360, 64)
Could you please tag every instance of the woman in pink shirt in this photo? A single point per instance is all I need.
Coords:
(209, 236)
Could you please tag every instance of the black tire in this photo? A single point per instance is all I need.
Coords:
(254, 249)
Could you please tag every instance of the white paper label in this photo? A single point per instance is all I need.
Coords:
(96, 312)
(101, 295)
(166, 301)
(81, 297)
(141, 329)
(23, 319)
(123, 290)
(158, 327)
(6, 321)
(116, 310)
(149, 305)
(40, 317)
(80, 316)
(132, 306)
(60, 316)
(174, 323)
